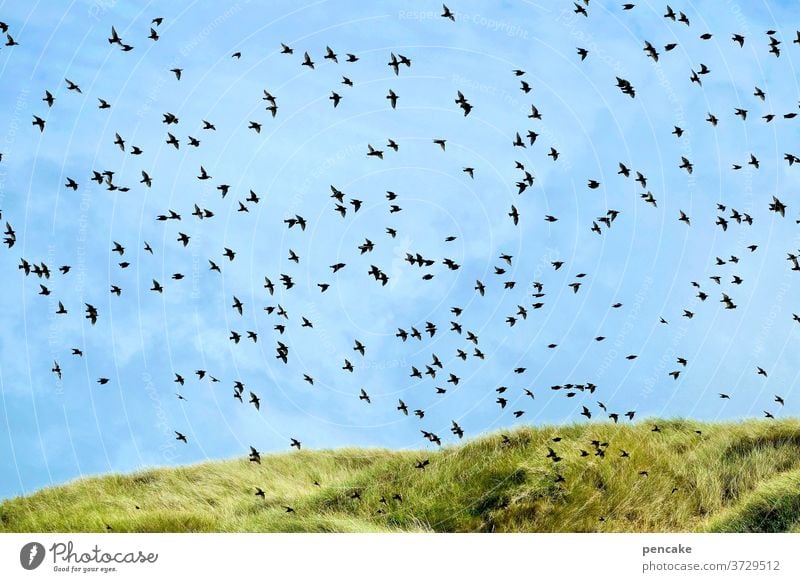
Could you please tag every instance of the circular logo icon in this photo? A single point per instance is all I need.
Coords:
(31, 555)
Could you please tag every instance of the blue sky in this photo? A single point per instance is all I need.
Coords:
(55, 431)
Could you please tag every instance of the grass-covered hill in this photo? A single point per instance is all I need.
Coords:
(687, 476)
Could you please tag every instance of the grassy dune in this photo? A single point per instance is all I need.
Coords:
(733, 477)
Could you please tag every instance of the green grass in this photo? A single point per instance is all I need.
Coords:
(734, 477)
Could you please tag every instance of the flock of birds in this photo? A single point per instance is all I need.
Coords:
(346, 206)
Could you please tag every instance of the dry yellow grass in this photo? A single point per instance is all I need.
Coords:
(731, 477)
